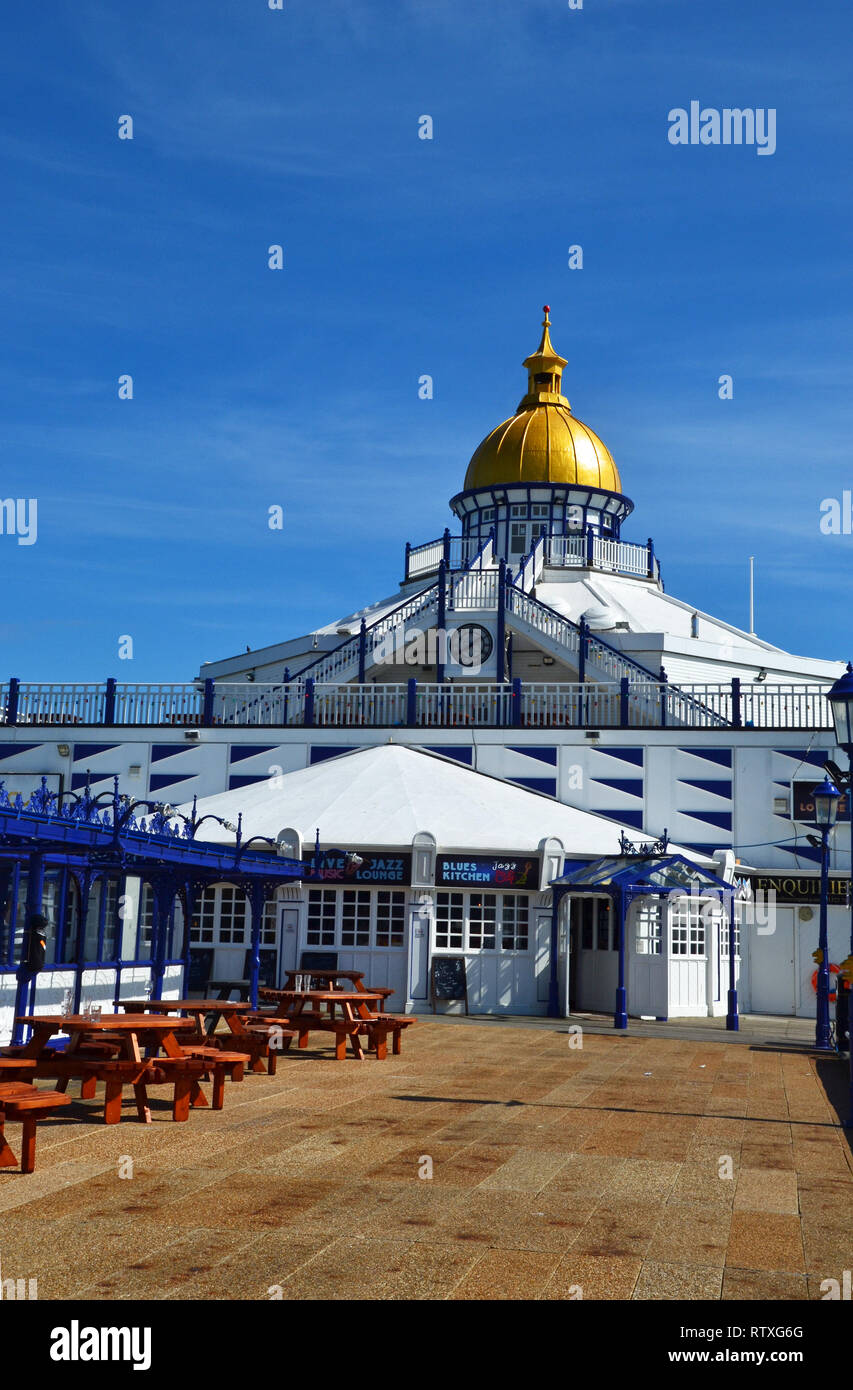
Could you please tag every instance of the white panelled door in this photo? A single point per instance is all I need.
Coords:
(288, 937)
(772, 980)
(647, 960)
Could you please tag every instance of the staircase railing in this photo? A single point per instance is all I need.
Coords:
(531, 567)
(578, 641)
(358, 651)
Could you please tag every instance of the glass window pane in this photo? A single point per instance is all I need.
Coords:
(586, 906)
(50, 908)
(390, 917)
(322, 909)
(449, 921)
(90, 947)
(111, 904)
(176, 945)
(603, 925)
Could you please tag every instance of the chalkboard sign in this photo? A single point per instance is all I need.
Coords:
(201, 964)
(448, 979)
(318, 960)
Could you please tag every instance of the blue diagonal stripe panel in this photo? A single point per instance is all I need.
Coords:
(542, 754)
(723, 789)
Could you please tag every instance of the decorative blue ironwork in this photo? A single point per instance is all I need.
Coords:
(645, 850)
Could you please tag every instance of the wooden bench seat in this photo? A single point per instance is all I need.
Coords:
(321, 1023)
(19, 1101)
(219, 1064)
(116, 1073)
(254, 1042)
(16, 1068)
(378, 1028)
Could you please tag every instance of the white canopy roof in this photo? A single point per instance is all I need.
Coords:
(376, 797)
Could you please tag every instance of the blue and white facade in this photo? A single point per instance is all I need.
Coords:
(537, 646)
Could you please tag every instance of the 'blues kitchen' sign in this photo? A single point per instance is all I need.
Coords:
(509, 871)
(374, 868)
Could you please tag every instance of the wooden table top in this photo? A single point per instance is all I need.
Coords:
(113, 1023)
(332, 996)
(189, 1006)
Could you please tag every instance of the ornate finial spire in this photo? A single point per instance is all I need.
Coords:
(544, 370)
(546, 347)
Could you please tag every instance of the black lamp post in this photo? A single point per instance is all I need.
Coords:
(826, 798)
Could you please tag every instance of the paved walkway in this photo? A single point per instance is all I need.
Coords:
(754, 1028)
(554, 1168)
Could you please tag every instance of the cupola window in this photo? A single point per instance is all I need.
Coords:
(518, 539)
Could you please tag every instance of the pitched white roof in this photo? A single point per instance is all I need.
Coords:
(719, 652)
(375, 797)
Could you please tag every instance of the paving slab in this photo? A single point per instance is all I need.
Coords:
(668, 1164)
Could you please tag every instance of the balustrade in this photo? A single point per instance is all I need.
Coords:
(623, 702)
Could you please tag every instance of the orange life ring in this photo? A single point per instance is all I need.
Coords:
(833, 970)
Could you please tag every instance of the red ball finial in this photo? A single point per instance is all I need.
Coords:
(546, 308)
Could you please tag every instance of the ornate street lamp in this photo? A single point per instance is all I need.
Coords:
(826, 798)
(840, 699)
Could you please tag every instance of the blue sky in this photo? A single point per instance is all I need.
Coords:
(403, 257)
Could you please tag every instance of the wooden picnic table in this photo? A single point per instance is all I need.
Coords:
(232, 1010)
(197, 1009)
(134, 1032)
(347, 1013)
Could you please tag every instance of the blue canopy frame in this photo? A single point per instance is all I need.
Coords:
(640, 872)
(86, 842)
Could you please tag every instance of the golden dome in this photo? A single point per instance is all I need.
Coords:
(543, 442)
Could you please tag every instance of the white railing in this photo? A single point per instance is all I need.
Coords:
(620, 556)
(544, 620)
(244, 703)
(158, 704)
(569, 551)
(785, 707)
(647, 703)
(450, 706)
(424, 559)
(700, 706)
(477, 588)
(349, 706)
(573, 705)
(531, 567)
(617, 557)
(566, 551)
(61, 704)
